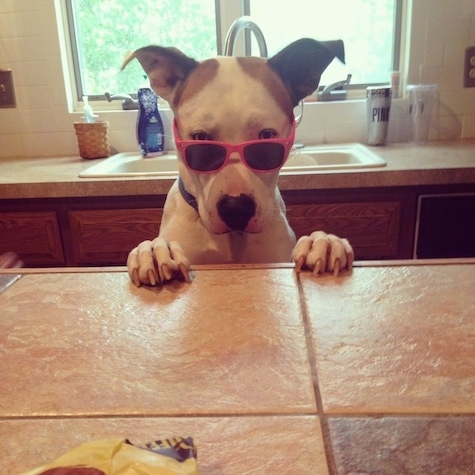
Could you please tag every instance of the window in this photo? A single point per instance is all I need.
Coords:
(369, 29)
(103, 31)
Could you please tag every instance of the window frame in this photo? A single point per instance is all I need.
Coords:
(226, 13)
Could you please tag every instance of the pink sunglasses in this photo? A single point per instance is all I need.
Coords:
(210, 156)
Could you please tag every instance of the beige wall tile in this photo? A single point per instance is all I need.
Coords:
(30, 47)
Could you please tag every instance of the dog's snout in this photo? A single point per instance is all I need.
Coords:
(236, 211)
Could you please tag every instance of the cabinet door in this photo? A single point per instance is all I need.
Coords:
(34, 235)
(105, 237)
(371, 227)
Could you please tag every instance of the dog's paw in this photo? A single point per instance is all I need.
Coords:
(321, 252)
(155, 262)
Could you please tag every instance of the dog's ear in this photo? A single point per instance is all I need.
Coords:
(166, 68)
(301, 64)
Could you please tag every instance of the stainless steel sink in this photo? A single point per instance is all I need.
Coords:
(307, 160)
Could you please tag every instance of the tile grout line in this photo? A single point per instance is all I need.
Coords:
(144, 415)
(399, 415)
(194, 415)
(311, 354)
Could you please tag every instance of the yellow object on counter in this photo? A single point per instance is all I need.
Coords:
(119, 457)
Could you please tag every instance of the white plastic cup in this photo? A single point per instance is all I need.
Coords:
(378, 106)
(420, 100)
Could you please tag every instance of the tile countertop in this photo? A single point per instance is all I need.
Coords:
(441, 162)
(371, 372)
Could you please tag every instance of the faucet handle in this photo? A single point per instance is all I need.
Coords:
(330, 93)
(128, 103)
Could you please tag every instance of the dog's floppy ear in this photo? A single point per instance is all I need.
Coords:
(166, 68)
(301, 64)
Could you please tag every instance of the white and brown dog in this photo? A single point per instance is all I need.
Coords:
(234, 127)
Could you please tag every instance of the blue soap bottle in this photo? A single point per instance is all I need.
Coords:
(150, 133)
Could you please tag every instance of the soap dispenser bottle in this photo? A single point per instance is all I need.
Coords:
(150, 132)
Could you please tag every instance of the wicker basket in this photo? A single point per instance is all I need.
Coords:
(93, 139)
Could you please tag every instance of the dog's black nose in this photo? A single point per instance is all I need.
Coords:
(236, 211)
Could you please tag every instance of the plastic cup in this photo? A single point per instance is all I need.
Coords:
(421, 99)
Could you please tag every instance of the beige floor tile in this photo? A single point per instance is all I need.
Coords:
(398, 339)
(226, 446)
(230, 342)
(400, 445)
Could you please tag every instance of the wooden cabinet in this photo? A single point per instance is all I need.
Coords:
(34, 235)
(380, 223)
(96, 231)
(373, 228)
(105, 237)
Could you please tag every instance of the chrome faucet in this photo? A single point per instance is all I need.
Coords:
(334, 91)
(244, 23)
(128, 102)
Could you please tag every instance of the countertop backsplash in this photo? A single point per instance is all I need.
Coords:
(42, 123)
(322, 123)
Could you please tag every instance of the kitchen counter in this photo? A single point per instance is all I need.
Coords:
(371, 372)
(441, 162)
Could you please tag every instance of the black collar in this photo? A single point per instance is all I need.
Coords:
(188, 197)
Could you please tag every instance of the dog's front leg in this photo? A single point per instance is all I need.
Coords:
(155, 262)
(322, 252)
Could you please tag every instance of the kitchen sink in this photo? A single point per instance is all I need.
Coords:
(133, 164)
(306, 160)
(314, 159)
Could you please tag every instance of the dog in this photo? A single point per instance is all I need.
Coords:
(234, 127)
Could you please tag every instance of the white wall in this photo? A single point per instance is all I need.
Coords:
(41, 125)
(440, 32)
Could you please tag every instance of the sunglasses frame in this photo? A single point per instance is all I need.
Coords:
(182, 145)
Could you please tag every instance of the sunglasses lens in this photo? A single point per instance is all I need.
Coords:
(205, 157)
(264, 156)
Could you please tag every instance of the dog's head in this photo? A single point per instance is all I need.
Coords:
(231, 101)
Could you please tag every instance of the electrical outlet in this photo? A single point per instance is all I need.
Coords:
(7, 93)
(469, 67)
